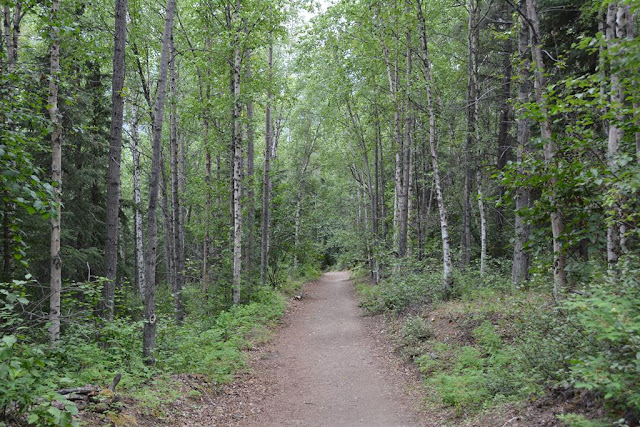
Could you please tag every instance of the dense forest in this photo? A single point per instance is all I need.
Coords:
(170, 173)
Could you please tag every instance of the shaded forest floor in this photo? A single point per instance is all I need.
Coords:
(326, 363)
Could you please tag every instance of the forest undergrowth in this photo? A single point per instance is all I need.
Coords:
(209, 346)
(494, 352)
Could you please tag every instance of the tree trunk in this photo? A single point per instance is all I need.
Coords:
(149, 335)
(115, 155)
(266, 186)
(56, 177)
(447, 269)
(137, 199)
(406, 161)
(174, 158)
(207, 180)
(472, 122)
(208, 208)
(251, 207)
(520, 269)
(504, 153)
(483, 225)
(237, 179)
(557, 224)
(616, 30)
(167, 217)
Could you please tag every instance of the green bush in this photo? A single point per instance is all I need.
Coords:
(607, 317)
(397, 294)
(415, 329)
(483, 375)
(214, 348)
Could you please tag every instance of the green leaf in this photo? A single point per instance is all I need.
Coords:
(9, 340)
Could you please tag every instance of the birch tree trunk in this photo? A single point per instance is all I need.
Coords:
(472, 120)
(447, 268)
(616, 30)
(237, 174)
(266, 186)
(115, 155)
(56, 177)
(394, 81)
(520, 269)
(483, 225)
(149, 334)
(137, 200)
(557, 224)
(406, 161)
(251, 207)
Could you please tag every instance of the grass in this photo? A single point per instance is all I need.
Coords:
(472, 349)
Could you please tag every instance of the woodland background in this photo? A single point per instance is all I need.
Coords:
(168, 171)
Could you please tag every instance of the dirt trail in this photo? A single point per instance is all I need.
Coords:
(323, 369)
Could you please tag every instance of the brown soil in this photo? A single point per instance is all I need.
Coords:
(323, 369)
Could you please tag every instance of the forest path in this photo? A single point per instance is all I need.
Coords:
(324, 368)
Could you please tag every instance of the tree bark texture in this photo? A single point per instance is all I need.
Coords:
(470, 143)
(483, 225)
(137, 200)
(520, 268)
(266, 185)
(447, 269)
(178, 252)
(237, 178)
(56, 177)
(149, 333)
(251, 207)
(115, 155)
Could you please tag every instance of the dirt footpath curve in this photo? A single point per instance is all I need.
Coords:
(323, 369)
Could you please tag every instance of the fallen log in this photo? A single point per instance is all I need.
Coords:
(87, 389)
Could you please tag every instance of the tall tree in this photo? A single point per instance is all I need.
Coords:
(115, 156)
(137, 200)
(178, 251)
(251, 206)
(56, 175)
(520, 269)
(472, 123)
(266, 182)
(557, 223)
(236, 147)
(149, 334)
(447, 266)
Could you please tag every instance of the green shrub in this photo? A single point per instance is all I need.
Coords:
(214, 348)
(483, 375)
(607, 317)
(397, 294)
(415, 329)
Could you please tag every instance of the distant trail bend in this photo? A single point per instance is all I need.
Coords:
(323, 368)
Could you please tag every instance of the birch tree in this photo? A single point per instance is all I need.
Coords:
(56, 176)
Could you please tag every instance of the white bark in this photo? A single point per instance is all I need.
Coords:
(447, 268)
(56, 177)
(137, 200)
(483, 225)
